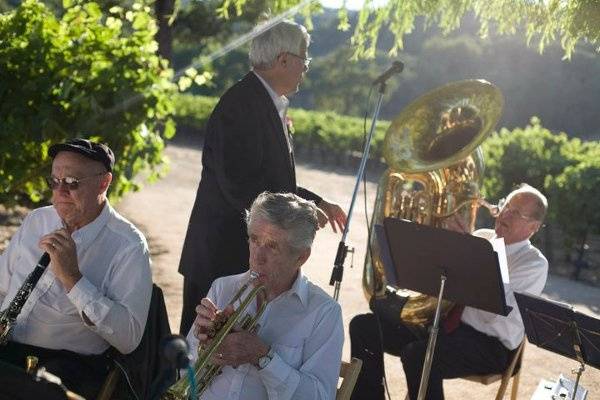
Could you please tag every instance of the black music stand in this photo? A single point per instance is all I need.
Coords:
(559, 328)
(450, 265)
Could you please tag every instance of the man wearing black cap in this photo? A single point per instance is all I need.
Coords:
(96, 290)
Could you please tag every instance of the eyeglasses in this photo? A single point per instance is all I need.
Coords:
(71, 183)
(306, 60)
(506, 209)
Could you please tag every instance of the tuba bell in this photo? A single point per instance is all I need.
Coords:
(435, 170)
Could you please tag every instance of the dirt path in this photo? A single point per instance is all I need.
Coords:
(162, 210)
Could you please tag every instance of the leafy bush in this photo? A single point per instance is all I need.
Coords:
(80, 75)
(193, 111)
(575, 193)
(326, 131)
(530, 154)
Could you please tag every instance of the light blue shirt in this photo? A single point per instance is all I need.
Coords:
(114, 291)
(304, 328)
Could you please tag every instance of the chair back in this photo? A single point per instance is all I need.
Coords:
(512, 371)
(349, 374)
(138, 370)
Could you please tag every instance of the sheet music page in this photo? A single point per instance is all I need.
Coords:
(500, 249)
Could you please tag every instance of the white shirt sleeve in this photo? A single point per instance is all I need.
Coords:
(318, 376)
(7, 261)
(119, 316)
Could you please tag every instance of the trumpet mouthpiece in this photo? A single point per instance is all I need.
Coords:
(254, 275)
(494, 209)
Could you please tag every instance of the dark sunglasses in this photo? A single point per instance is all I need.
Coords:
(71, 183)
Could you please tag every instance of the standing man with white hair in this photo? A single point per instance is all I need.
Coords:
(296, 351)
(248, 149)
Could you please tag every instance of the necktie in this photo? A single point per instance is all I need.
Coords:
(452, 320)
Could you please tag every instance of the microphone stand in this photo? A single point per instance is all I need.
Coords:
(338, 265)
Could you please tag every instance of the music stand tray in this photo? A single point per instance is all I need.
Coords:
(559, 328)
(419, 254)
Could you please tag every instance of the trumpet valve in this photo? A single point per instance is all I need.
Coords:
(31, 363)
(218, 323)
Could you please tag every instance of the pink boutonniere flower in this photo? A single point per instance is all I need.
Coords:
(290, 125)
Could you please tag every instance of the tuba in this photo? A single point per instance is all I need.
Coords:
(204, 370)
(435, 169)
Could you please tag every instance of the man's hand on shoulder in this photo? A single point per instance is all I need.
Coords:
(332, 213)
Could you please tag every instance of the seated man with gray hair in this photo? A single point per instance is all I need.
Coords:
(295, 352)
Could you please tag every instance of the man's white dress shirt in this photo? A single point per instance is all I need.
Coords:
(304, 328)
(281, 104)
(527, 271)
(114, 292)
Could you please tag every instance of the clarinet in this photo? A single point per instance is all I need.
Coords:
(9, 316)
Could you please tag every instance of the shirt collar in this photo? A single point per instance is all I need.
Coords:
(513, 248)
(86, 234)
(300, 288)
(281, 102)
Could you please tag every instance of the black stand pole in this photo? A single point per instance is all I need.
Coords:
(577, 348)
(431, 344)
(338, 266)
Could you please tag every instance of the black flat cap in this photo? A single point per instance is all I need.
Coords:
(94, 151)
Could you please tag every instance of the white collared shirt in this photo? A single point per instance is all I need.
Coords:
(304, 328)
(114, 291)
(527, 270)
(281, 104)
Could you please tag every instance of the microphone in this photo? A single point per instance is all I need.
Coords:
(396, 68)
(175, 351)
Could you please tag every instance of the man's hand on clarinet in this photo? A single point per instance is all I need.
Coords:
(63, 255)
(332, 213)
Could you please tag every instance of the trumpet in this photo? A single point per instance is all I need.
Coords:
(204, 370)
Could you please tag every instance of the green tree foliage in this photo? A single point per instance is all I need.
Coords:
(530, 154)
(83, 75)
(543, 21)
(340, 84)
(575, 193)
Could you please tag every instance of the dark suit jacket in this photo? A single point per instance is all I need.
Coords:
(245, 153)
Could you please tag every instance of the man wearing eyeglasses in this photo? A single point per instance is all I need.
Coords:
(248, 149)
(472, 341)
(95, 293)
